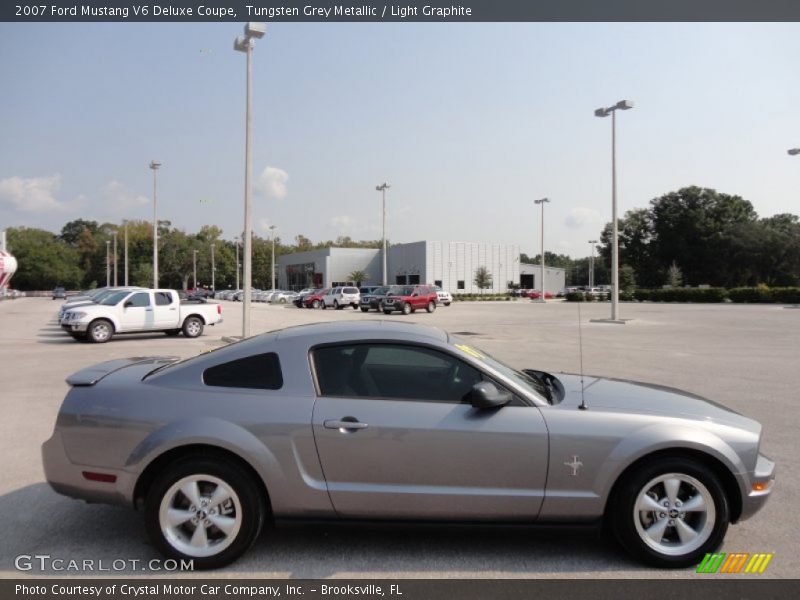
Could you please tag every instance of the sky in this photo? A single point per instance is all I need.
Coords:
(468, 123)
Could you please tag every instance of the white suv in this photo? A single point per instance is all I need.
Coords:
(442, 297)
(339, 297)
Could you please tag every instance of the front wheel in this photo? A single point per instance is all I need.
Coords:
(671, 513)
(406, 309)
(204, 510)
(315, 304)
(336, 305)
(364, 309)
(100, 331)
(193, 327)
(386, 311)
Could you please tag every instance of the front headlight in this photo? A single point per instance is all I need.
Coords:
(77, 316)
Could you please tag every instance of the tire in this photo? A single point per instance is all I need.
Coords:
(242, 512)
(647, 487)
(193, 327)
(172, 332)
(355, 306)
(336, 305)
(431, 307)
(100, 331)
(364, 309)
(407, 310)
(315, 304)
(386, 311)
(447, 304)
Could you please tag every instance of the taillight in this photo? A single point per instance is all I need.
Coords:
(219, 309)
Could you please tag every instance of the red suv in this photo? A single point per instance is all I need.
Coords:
(314, 300)
(409, 298)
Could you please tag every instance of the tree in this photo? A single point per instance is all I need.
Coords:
(44, 260)
(674, 275)
(358, 277)
(483, 279)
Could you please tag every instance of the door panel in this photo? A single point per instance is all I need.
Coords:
(431, 460)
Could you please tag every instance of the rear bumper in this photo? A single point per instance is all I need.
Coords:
(68, 479)
(763, 476)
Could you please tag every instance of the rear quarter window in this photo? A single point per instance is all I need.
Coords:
(258, 372)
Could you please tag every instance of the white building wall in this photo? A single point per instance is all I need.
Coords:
(343, 261)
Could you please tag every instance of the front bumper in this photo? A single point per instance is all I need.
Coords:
(74, 327)
(762, 480)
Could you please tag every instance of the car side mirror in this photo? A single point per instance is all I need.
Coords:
(485, 394)
(128, 304)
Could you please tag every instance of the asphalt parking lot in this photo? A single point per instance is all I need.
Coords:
(745, 357)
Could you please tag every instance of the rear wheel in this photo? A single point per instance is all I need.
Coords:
(204, 510)
(431, 306)
(100, 331)
(193, 327)
(671, 513)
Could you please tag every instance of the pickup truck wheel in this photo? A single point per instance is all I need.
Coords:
(431, 306)
(406, 309)
(193, 327)
(172, 332)
(204, 510)
(100, 331)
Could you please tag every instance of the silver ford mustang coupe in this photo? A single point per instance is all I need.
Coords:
(382, 420)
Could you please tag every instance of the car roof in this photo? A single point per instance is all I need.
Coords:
(372, 329)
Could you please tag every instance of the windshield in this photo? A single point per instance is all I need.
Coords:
(401, 291)
(522, 379)
(113, 298)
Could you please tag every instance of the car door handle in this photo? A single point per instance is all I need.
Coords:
(148, 310)
(173, 309)
(345, 423)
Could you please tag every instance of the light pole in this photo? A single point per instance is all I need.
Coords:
(213, 271)
(272, 229)
(237, 265)
(126, 254)
(154, 165)
(194, 269)
(382, 188)
(591, 263)
(115, 260)
(252, 31)
(108, 263)
(542, 201)
(604, 112)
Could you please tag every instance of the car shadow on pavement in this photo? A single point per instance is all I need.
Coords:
(46, 523)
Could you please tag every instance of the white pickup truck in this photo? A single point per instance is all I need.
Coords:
(138, 311)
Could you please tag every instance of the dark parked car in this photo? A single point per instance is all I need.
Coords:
(59, 293)
(374, 300)
(409, 298)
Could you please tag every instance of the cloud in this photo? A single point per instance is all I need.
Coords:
(35, 195)
(581, 217)
(343, 222)
(272, 183)
(119, 196)
(349, 225)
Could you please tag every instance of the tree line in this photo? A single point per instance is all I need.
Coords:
(692, 236)
(76, 256)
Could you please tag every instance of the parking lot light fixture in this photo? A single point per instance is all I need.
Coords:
(794, 151)
(542, 201)
(252, 31)
(272, 228)
(155, 165)
(382, 188)
(604, 112)
(115, 259)
(108, 263)
(591, 263)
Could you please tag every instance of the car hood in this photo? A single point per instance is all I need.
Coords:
(646, 398)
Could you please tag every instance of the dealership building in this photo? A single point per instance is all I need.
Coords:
(451, 265)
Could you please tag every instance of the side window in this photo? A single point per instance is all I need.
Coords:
(163, 298)
(139, 300)
(259, 372)
(393, 371)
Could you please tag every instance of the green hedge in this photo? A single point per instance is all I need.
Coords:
(682, 295)
(479, 297)
(786, 295)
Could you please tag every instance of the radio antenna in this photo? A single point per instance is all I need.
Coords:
(582, 405)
